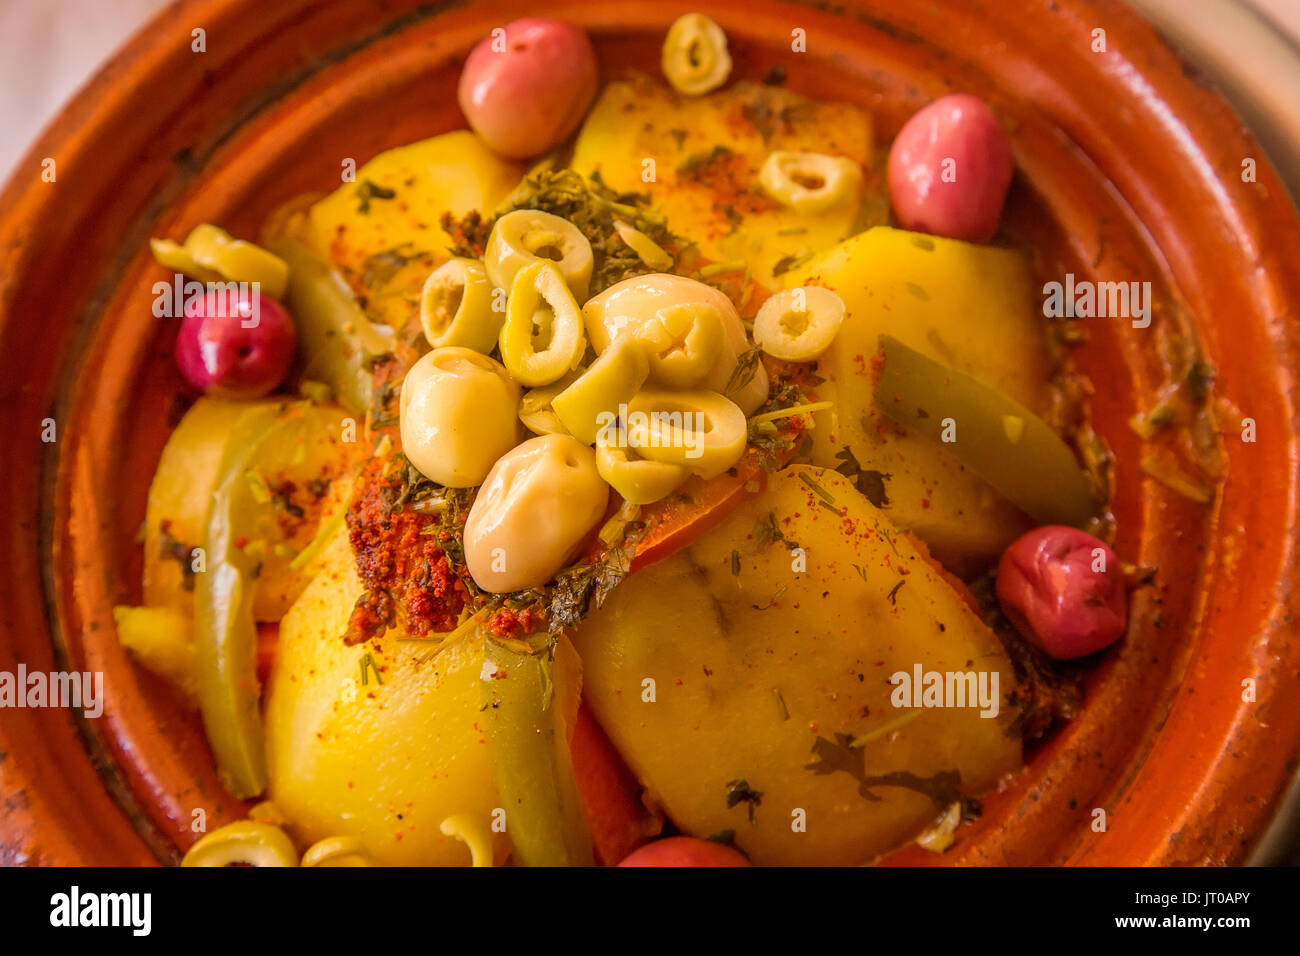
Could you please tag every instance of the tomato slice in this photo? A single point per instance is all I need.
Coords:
(680, 520)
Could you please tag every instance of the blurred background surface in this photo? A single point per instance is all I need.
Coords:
(1251, 47)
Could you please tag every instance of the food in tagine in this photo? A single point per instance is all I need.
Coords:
(550, 514)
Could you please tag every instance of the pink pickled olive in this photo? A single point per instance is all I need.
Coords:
(235, 344)
(685, 851)
(1063, 590)
(526, 89)
(950, 168)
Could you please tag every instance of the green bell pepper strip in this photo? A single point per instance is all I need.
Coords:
(530, 758)
(997, 438)
(333, 333)
(225, 635)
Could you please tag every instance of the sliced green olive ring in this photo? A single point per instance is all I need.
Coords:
(543, 336)
(536, 411)
(463, 827)
(810, 182)
(527, 237)
(456, 307)
(254, 844)
(797, 325)
(700, 430)
(683, 342)
(336, 851)
(639, 480)
(694, 58)
(611, 381)
(457, 415)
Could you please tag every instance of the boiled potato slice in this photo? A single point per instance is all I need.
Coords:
(760, 674)
(706, 153)
(971, 307)
(299, 476)
(383, 229)
(162, 639)
(387, 759)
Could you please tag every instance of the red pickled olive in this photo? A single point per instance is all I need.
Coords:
(1063, 590)
(527, 86)
(685, 851)
(950, 168)
(235, 343)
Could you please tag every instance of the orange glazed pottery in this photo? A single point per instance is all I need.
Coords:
(1127, 167)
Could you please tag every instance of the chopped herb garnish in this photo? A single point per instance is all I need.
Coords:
(577, 589)
(767, 531)
(593, 207)
(893, 592)
(725, 837)
(739, 791)
(746, 368)
(368, 664)
(1199, 379)
(378, 269)
(783, 710)
(840, 756)
(786, 263)
(775, 597)
(701, 161)
(888, 727)
(871, 483)
(821, 492)
(183, 554)
(367, 191)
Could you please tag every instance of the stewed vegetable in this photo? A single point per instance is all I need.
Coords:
(655, 428)
(999, 439)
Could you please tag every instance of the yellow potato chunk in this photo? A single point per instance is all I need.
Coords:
(388, 757)
(752, 685)
(970, 307)
(383, 230)
(707, 152)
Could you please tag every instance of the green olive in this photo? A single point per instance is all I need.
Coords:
(593, 400)
(625, 306)
(639, 480)
(537, 504)
(694, 57)
(684, 342)
(254, 844)
(797, 325)
(456, 307)
(810, 183)
(457, 415)
(701, 431)
(528, 236)
(542, 338)
(535, 409)
(336, 851)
